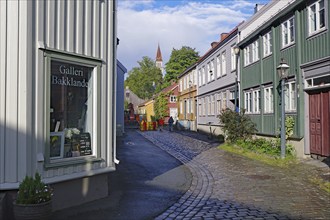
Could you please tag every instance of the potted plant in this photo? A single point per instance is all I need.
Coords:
(34, 199)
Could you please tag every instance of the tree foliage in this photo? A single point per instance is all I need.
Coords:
(179, 61)
(160, 105)
(236, 125)
(144, 80)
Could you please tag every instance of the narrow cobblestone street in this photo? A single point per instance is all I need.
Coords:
(228, 186)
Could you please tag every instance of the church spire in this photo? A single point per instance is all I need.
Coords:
(159, 60)
(159, 55)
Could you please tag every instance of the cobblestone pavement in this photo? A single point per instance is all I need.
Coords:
(229, 186)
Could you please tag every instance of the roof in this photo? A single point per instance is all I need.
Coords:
(231, 34)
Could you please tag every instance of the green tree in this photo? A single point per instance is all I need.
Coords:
(160, 105)
(179, 61)
(145, 79)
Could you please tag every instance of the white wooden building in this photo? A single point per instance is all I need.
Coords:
(57, 78)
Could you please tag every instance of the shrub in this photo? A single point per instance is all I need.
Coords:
(33, 191)
(236, 125)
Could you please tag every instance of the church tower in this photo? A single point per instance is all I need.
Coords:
(159, 60)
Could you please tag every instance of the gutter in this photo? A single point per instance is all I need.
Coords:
(114, 82)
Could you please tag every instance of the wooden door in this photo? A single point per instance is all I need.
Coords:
(319, 123)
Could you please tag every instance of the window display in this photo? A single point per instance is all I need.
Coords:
(71, 109)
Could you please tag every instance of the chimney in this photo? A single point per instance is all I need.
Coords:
(223, 36)
(213, 44)
(258, 7)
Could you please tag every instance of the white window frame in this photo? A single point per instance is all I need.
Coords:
(267, 42)
(256, 101)
(218, 66)
(224, 100)
(290, 96)
(315, 17)
(181, 85)
(212, 69)
(248, 101)
(288, 32)
(208, 72)
(252, 102)
(223, 63)
(172, 98)
(219, 103)
(233, 58)
(212, 105)
(255, 51)
(251, 53)
(199, 78)
(203, 75)
(269, 99)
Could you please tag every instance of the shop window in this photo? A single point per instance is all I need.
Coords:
(72, 109)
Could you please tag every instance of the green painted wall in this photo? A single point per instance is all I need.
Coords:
(305, 49)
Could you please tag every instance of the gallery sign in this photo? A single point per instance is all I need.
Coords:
(67, 74)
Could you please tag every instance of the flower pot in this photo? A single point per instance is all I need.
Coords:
(40, 211)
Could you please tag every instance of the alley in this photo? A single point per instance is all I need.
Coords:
(212, 184)
(227, 186)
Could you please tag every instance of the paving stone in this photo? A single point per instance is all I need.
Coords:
(238, 187)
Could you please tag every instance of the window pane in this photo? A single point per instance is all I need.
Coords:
(71, 104)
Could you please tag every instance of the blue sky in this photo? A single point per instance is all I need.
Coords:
(143, 24)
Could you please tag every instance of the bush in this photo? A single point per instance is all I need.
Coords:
(33, 191)
(236, 125)
(264, 146)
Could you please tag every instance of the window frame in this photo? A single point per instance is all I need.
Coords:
(269, 100)
(223, 64)
(290, 96)
(317, 17)
(267, 44)
(288, 36)
(49, 56)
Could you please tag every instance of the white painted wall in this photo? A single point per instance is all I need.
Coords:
(85, 28)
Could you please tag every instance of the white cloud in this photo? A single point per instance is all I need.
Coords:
(144, 24)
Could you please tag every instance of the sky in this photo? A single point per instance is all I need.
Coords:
(143, 24)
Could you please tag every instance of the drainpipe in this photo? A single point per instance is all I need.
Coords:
(114, 82)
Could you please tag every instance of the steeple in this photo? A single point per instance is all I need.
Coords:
(159, 60)
(159, 55)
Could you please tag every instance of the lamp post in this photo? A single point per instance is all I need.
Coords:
(236, 51)
(282, 71)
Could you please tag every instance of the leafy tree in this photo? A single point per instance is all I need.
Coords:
(236, 125)
(160, 105)
(179, 61)
(145, 79)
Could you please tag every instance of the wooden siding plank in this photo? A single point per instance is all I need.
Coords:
(50, 25)
(11, 93)
(88, 28)
(3, 67)
(79, 26)
(70, 29)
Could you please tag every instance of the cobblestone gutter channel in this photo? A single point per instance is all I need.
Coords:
(226, 186)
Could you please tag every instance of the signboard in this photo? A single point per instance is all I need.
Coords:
(85, 144)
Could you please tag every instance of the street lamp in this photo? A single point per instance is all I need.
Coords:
(236, 51)
(282, 71)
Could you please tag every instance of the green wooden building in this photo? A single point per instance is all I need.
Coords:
(297, 32)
